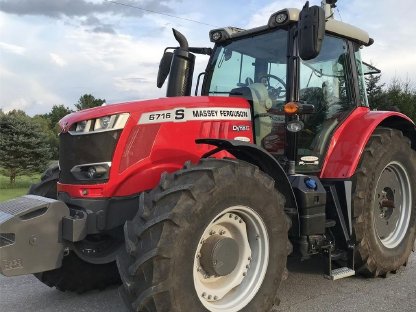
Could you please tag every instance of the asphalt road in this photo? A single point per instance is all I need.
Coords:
(304, 291)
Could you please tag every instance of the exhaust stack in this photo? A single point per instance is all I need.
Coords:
(181, 69)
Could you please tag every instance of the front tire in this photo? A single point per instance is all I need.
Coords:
(202, 241)
(384, 203)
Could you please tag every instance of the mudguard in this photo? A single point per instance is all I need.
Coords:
(351, 137)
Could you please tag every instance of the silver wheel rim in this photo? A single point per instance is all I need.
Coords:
(392, 206)
(234, 291)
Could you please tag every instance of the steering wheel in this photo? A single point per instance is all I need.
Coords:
(275, 92)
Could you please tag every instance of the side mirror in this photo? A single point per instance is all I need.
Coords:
(311, 31)
(164, 68)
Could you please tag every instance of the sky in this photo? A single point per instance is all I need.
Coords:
(54, 51)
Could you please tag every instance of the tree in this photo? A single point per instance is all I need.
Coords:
(57, 113)
(23, 146)
(49, 125)
(401, 95)
(88, 101)
(375, 92)
(50, 134)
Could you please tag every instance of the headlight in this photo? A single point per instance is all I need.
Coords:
(295, 126)
(81, 126)
(98, 171)
(102, 123)
(281, 18)
(216, 36)
(105, 123)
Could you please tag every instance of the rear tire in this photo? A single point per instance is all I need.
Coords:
(47, 185)
(384, 203)
(162, 267)
(79, 276)
(75, 274)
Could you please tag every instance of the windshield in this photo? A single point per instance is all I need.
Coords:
(254, 68)
(249, 60)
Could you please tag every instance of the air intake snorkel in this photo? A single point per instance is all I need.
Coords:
(180, 64)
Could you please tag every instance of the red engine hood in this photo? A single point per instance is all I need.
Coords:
(151, 105)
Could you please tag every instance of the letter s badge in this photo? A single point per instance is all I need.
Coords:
(179, 114)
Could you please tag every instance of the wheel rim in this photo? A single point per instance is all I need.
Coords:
(232, 292)
(392, 207)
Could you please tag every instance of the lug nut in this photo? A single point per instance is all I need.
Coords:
(204, 295)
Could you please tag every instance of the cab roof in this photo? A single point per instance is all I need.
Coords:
(331, 26)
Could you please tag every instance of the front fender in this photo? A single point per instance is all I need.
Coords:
(349, 140)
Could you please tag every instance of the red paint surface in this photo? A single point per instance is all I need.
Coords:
(349, 141)
(135, 166)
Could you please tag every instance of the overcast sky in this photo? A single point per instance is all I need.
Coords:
(54, 51)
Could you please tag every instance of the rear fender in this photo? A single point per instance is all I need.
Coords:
(267, 163)
(349, 140)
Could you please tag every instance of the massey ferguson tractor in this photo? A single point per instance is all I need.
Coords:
(196, 202)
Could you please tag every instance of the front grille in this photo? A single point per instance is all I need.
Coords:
(75, 150)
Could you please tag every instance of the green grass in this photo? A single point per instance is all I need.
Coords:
(19, 188)
(6, 194)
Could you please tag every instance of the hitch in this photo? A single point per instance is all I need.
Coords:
(31, 235)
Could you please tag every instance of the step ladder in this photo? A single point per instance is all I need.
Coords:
(334, 272)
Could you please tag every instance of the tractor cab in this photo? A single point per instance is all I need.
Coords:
(265, 65)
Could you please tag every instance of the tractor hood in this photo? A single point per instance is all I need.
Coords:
(129, 145)
(135, 108)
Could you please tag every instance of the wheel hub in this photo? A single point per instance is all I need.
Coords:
(231, 260)
(219, 255)
(386, 203)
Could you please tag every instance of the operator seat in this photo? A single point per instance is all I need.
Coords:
(324, 121)
(258, 96)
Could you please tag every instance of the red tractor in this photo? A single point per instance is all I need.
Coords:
(197, 201)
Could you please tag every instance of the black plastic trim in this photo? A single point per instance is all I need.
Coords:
(105, 213)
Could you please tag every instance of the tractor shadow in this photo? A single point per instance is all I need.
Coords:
(315, 265)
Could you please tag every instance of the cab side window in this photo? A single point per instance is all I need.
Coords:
(324, 80)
